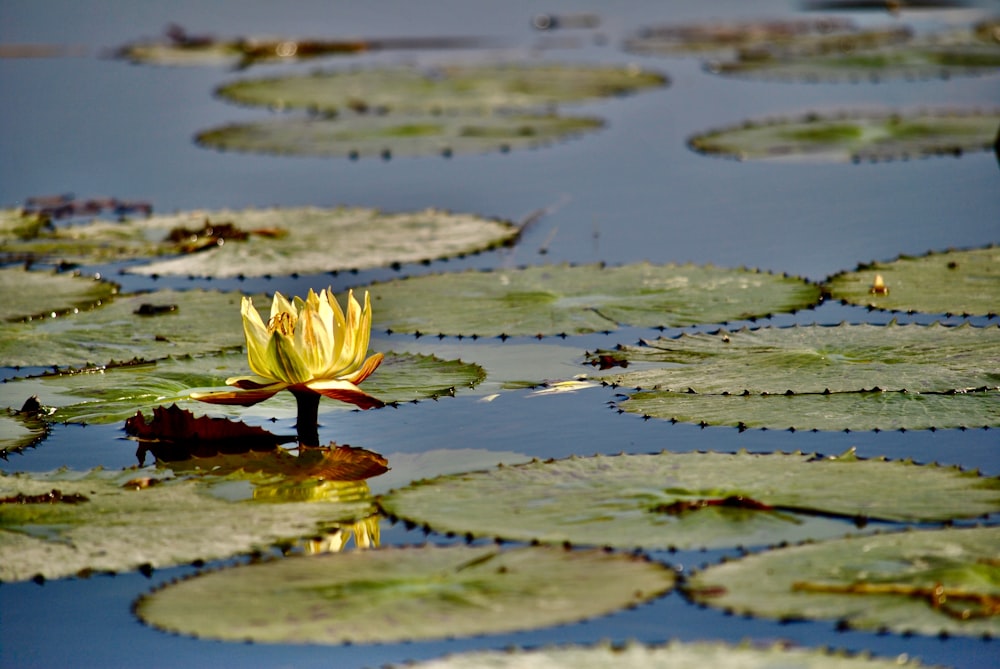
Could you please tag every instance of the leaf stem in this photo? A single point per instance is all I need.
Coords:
(307, 422)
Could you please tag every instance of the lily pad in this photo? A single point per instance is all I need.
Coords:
(953, 282)
(447, 88)
(21, 224)
(675, 655)
(927, 582)
(30, 294)
(395, 136)
(689, 500)
(854, 136)
(853, 377)
(144, 325)
(20, 430)
(565, 299)
(259, 242)
(67, 523)
(403, 594)
(104, 395)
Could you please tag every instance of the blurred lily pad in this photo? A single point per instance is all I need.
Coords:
(29, 294)
(403, 594)
(675, 655)
(21, 224)
(925, 582)
(952, 282)
(565, 299)
(854, 136)
(103, 395)
(395, 136)
(276, 241)
(68, 523)
(20, 430)
(446, 88)
(689, 500)
(856, 377)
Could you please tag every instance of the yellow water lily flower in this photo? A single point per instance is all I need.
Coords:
(307, 347)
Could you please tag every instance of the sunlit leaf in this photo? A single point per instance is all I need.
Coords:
(854, 136)
(403, 594)
(277, 241)
(675, 655)
(28, 294)
(21, 224)
(926, 582)
(96, 395)
(558, 299)
(651, 501)
(856, 377)
(65, 523)
(958, 282)
(442, 89)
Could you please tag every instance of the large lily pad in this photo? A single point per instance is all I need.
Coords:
(21, 224)
(689, 500)
(813, 377)
(566, 299)
(675, 655)
(144, 325)
(116, 393)
(447, 88)
(65, 523)
(959, 282)
(927, 582)
(854, 136)
(402, 594)
(30, 294)
(277, 241)
(20, 430)
(389, 136)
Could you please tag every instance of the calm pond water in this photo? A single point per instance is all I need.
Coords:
(93, 126)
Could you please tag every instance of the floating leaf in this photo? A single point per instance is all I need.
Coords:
(447, 88)
(65, 523)
(689, 500)
(854, 136)
(926, 582)
(675, 655)
(30, 294)
(403, 594)
(20, 430)
(962, 282)
(143, 325)
(21, 224)
(389, 136)
(567, 299)
(815, 377)
(258, 242)
(103, 395)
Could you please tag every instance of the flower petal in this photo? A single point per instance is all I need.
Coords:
(345, 391)
(287, 360)
(369, 366)
(255, 382)
(281, 304)
(256, 336)
(241, 397)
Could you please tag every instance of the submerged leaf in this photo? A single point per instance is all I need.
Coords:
(558, 299)
(689, 500)
(854, 136)
(403, 594)
(119, 521)
(955, 282)
(30, 294)
(927, 582)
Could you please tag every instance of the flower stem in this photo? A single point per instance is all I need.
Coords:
(307, 423)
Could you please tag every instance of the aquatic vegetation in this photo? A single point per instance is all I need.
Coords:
(29, 295)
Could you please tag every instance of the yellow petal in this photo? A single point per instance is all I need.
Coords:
(285, 359)
(366, 369)
(256, 338)
(281, 305)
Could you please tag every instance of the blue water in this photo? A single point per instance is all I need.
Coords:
(93, 126)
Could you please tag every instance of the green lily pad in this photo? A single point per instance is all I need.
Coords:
(853, 377)
(144, 325)
(403, 594)
(21, 224)
(449, 88)
(926, 582)
(675, 655)
(277, 241)
(395, 136)
(106, 395)
(30, 294)
(66, 523)
(564, 299)
(649, 501)
(953, 282)
(854, 136)
(20, 430)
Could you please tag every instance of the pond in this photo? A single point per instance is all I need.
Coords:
(81, 122)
